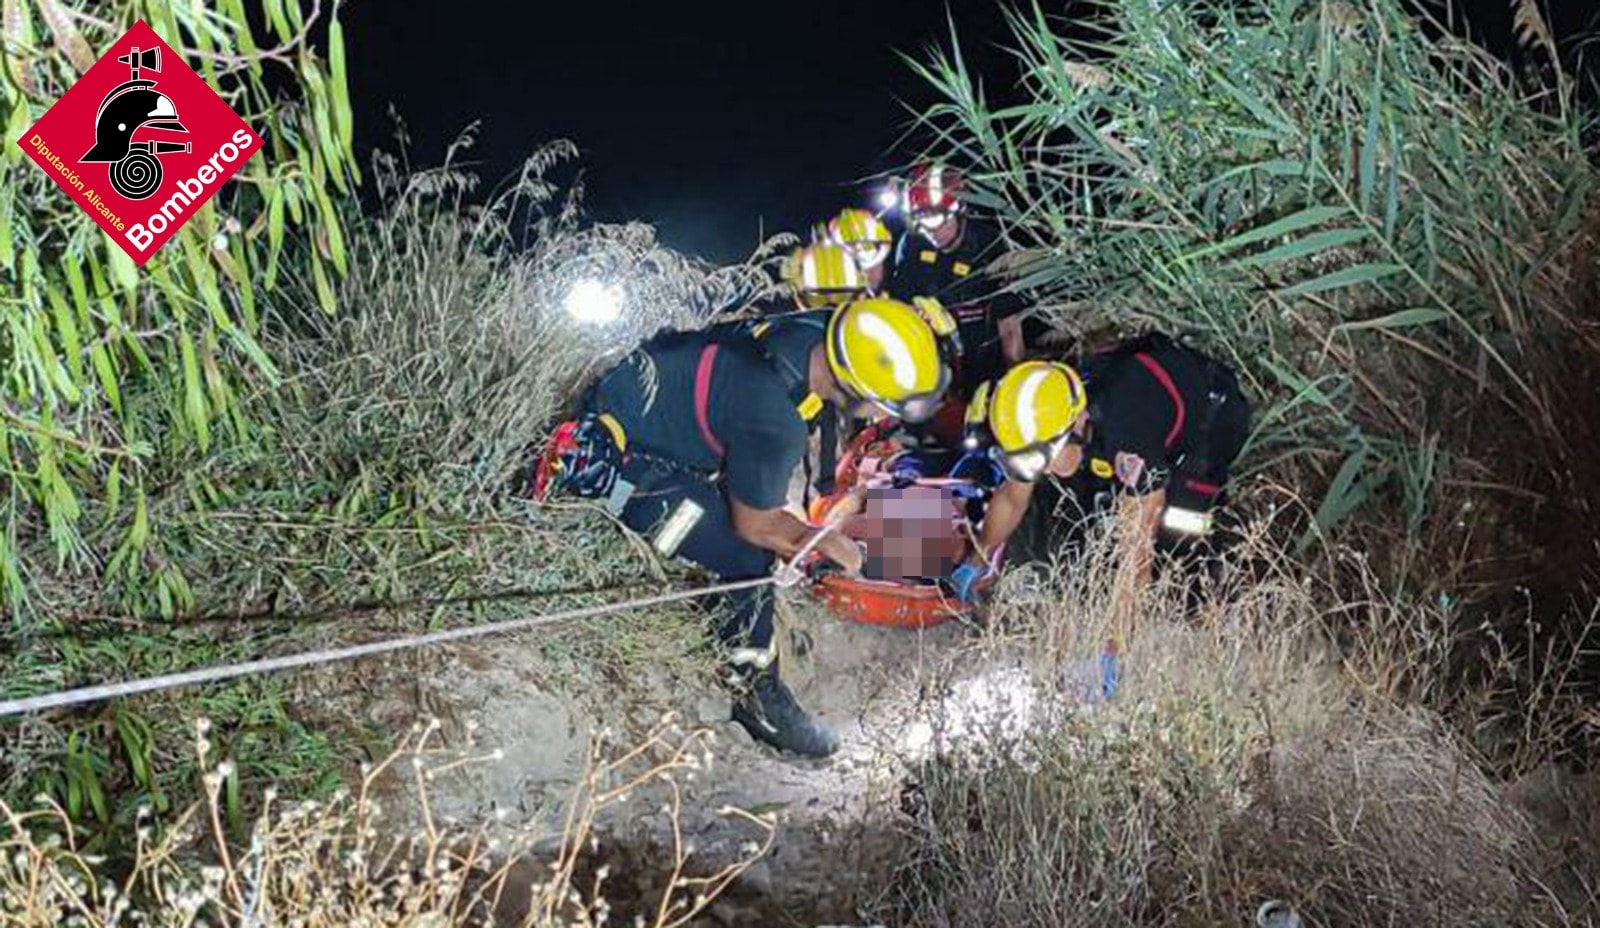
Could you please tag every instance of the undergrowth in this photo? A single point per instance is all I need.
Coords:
(343, 861)
(383, 492)
(1250, 756)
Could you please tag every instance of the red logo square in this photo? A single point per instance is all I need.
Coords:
(141, 142)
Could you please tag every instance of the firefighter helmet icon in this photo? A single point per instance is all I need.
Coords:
(130, 107)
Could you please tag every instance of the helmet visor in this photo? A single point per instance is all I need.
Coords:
(819, 298)
(869, 255)
(1027, 465)
(919, 408)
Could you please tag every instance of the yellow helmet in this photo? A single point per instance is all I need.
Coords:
(864, 234)
(886, 352)
(1031, 414)
(824, 274)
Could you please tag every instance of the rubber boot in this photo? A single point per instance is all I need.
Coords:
(768, 711)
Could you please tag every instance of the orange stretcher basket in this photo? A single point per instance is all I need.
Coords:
(883, 602)
(897, 604)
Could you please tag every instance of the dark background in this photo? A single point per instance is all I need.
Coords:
(716, 121)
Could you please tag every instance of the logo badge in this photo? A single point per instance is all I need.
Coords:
(1128, 468)
(140, 142)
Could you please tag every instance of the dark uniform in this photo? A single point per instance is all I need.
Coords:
(1162, 416)
(959, 280)
(706, 414)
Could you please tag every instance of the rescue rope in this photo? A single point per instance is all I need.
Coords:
(785, 576)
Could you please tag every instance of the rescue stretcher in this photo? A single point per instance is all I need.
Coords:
(903, 602)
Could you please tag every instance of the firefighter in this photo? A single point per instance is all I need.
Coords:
(1153, 422)
(692, 438)
(946, 254)
(824, 274)
(867, 239)
(820, 275)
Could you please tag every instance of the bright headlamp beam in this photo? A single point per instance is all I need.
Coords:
(888, 199)
(594, 302)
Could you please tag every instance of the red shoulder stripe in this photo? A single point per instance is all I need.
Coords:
(1165, 379)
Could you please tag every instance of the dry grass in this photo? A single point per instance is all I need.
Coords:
(341, 863)
(1257, 750)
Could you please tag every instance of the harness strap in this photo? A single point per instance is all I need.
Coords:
(1165, 379)
(702, 399)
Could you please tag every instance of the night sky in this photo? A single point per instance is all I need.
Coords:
(713, 120)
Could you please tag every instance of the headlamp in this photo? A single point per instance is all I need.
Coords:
(1029, 464)
(869, 255)
(1186, 521)
(919, 408)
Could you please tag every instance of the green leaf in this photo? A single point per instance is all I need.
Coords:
(1405, 318)
(194, 399)
(107, 374)
(67, 327)
(1258, 108)
(280, 23)
(332, 227)
(7, 256)
(1371, 140)
(319, 280)
(122, 266)
(1307, 246)
(1288, 225)
(1345, 277)
(1343, 496)
(274, 233)
(139, 531)
(342, 118)
(242, 35)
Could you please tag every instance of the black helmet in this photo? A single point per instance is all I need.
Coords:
(124, 111)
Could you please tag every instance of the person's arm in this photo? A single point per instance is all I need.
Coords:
(1011, 344)
(1006, 508)
(1138, 520)
(779, 531)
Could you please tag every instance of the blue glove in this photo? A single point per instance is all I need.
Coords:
(1110, 673)
(965, 580)
(905, 470)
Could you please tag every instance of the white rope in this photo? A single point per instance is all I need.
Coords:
(787, 575)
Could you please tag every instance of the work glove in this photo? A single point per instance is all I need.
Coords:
(905, 470)
(965, 580)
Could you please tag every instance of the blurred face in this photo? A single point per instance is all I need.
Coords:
(909, 533)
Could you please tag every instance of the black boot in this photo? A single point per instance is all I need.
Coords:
(767, 710)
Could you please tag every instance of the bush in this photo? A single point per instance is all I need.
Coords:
(114, 376)
(379, 493)
(1385, 230)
